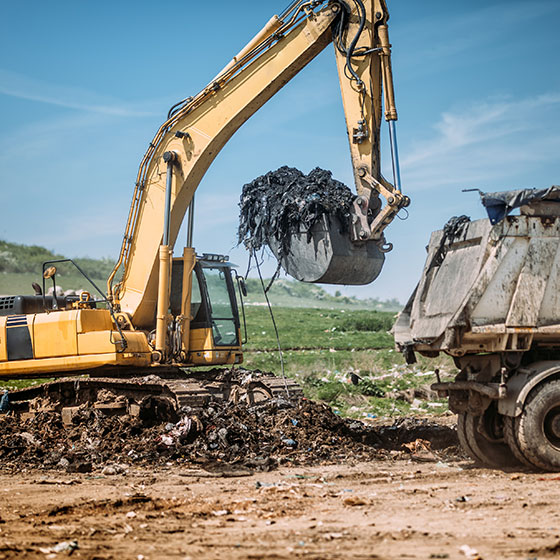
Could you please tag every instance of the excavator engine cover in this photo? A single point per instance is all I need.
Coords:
(327, 255)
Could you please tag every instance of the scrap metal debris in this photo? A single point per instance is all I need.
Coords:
(286, 201)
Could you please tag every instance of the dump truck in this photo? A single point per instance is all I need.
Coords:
(489, 297)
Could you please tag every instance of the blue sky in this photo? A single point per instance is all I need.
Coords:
(84, 86)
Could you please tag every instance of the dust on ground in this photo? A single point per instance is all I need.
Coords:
(378, 509)
(276, 480)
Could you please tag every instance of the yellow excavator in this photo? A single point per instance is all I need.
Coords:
(167, 313)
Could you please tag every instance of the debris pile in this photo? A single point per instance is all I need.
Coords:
(286, 201)
(258, 437)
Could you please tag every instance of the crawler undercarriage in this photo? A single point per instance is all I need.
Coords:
(161, 395)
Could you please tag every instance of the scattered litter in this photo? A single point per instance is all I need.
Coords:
(470, 553)
(67, 546)
(354, 501)
(111, 470)
(29, 438)
(222, 439)
(420, 450)
(414, 395)
(58, 482)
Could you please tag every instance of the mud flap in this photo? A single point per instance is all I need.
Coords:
(328, 256)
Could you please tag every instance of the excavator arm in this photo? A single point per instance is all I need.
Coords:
(197, 128)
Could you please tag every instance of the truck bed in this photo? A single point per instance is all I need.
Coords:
(487, 289)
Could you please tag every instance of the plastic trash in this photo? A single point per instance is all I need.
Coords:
(67, 546)
(470, 552)
(5, 402)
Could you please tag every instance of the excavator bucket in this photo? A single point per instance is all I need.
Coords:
(326, 255)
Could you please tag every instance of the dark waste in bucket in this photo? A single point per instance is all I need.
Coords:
(305, 220)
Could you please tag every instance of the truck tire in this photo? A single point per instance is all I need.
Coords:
(463, 440)
(511, 439)
(537, 428)
(490, 448)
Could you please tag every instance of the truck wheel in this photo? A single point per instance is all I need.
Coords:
(537, 429)
(511, 439)
(489, 447)
(462, 435)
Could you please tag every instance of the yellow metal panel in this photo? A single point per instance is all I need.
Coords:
(54, 334)
(52, 366)
(200, 340)
(215, 358)
(3, 351)
(94, 320)
(203, 351)
(99, 342)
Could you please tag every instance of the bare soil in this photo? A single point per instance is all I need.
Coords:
(278, 480)
(408, 507)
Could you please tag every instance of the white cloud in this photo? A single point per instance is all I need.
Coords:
(24, 87)
(485, 141)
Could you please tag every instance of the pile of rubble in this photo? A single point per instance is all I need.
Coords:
(258, 437)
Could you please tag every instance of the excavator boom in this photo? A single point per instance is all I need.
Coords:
(199, 127)
(169, 313)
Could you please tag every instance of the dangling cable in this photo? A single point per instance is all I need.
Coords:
(274, 324)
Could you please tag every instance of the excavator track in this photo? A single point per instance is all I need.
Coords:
(161, 395)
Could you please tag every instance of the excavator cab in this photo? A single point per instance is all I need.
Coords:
(214, 327)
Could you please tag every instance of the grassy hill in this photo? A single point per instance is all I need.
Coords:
(325, 338)
(20, 265)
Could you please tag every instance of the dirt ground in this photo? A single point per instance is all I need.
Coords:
(379, 509)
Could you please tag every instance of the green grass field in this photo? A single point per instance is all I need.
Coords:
(325, 338)
(322, 349)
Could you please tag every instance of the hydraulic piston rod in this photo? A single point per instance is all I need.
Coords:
(164, 264)
(169, 158)
(190, 223)
(390, 107)
(395, 155)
